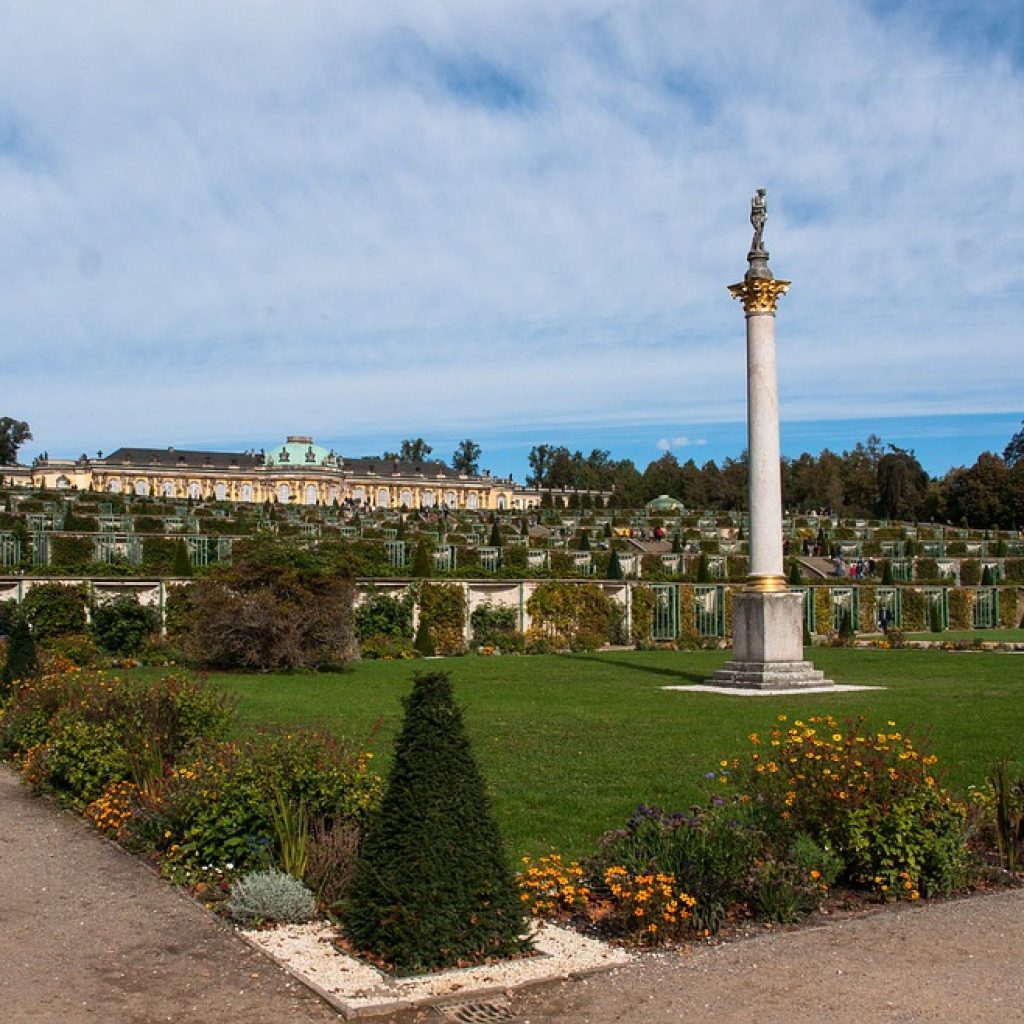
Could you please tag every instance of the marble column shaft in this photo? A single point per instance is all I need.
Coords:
(765, 478)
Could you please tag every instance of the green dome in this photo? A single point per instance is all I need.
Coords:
(665, 503)
(300, 451)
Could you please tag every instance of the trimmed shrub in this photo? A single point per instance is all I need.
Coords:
(263, 896)
(496, 626)
(53, 609)
(20, 661)
(123, 625)
(432, 888)
(614, 571)
(424, 642)
(385, 616)
(181, 564)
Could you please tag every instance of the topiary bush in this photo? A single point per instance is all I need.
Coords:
(53, 609)
(20, 660)
(272, 895)
(122, 626)
(432, 888)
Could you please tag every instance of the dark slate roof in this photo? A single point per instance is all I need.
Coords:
(173, 458)
(432, 469)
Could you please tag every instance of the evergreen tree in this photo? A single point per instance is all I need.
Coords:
(584, 540)
(703, 569)
(400, 534)
(21, 654)
(182, 565)
(422, 559)
(887, 575)
(796, 577)
(432, 888)
(677, 544)
(614, 567)
(935, 617)
(495, 541)
(846, 624)
(607, 531)
(988, 577)
(424, 642)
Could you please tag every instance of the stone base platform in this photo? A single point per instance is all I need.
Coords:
(769, 675)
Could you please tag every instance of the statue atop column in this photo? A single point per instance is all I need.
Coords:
(758, 255)
(758, 215)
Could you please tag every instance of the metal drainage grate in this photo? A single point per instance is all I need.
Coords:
(478, 1013)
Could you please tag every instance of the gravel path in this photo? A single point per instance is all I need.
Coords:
(87, 934)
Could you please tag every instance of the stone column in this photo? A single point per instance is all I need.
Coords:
(767, 618)
(759, 296)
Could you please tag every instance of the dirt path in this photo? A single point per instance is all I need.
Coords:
(89, 935)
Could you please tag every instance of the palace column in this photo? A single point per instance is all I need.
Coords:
(767, 617)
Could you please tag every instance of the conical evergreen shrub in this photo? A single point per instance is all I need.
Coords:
(614, 567)
(424, 642)
(495, 541)
(432, 888)
(21, 654)
(887, 574)
(182, 565)
(703, 569)
(796, 576)
(422, 559)
(584, 540)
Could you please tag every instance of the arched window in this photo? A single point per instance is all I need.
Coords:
(114, 486)
(284, 493)
(220, 491)
(406, 497)
(428, 499)
(195, 492)
(501, 501)
(383, 499)
(310, 494)
(63, 482)
(332, 495)
(471, 500)
(141, 488)
(451, 499)
(168, 489)
(359, 494)
(246, 492)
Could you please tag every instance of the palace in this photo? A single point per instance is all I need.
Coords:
(299, 472)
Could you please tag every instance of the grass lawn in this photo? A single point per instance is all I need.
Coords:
(571, 743)
(989, 636)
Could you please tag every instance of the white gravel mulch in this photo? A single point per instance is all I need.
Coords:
(355, 988)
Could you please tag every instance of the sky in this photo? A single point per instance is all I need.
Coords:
(509, 221)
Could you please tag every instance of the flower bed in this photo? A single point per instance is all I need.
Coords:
(815, 806)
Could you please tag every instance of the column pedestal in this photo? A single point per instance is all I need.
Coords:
(768, 645)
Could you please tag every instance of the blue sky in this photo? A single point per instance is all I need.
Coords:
(508, 221)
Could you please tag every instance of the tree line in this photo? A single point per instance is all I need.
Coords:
(872, 479)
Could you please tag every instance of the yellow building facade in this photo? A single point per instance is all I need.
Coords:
(299, 472)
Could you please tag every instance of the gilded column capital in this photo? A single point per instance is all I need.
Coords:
(759, 294)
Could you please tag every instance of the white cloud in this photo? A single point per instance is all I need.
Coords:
(417, 217)
(666, 444)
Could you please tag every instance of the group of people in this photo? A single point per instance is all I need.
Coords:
(858, 570)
